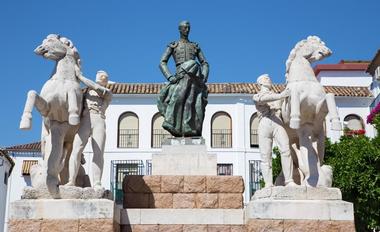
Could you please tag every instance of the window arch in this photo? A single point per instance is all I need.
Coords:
(254, 125)
(128, 130)
(159, 134)
(353, 122)
(221, 130)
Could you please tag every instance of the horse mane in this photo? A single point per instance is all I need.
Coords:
(299, 45)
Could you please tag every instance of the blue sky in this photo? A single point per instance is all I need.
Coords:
(240, 39)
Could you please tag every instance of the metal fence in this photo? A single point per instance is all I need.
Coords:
(128, 138)
(221, 138)
(254, 138)
(254, 176)
(158, 136)
(120, 169)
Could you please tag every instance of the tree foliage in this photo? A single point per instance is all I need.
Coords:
(356, 163)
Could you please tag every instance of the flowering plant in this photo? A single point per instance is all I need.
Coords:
(354, 132)
(373, 113)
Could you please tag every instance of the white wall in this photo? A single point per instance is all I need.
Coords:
(5, 166)
(345, 78)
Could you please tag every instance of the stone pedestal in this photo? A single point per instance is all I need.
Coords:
(184, 156)
(66, 215)
(293, 208)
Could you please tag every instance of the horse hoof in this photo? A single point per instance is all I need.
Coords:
(336, 125)
(26, 123)
(74, 119)
(294, 123)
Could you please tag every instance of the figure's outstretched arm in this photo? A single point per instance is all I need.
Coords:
(164, 63)
(268, 97)
(204, 64)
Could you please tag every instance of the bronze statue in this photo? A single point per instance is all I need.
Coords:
(183, 101)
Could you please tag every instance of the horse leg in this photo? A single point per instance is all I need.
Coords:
(309, 161)
(334, 117)
(42, 106)
(294, 109)
(73, 108)
(57, 134)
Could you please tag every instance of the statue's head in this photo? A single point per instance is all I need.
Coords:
(184, 28)
(314, 49)
(102, 78)
(55, 47)
(264, 80)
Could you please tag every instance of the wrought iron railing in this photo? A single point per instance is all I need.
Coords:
(254, 176)
(221, 138)
(158, 136)
(254, 138)
(128, 138)
(224, 169)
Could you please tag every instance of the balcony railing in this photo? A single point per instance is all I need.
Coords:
(224, 169)
(221, 138)
(254, 138)
(158, 136)
(129, 138)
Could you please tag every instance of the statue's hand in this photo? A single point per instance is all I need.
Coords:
(173, 79)
(285, 93)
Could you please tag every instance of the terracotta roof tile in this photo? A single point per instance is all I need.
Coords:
(29, 147)
(232, 88)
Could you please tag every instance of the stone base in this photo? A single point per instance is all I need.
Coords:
(184, 156)
(298, 193)
(62, 215)
(211, 192)
(67, 192)
(260, 225)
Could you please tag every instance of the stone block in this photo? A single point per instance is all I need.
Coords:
(96, 225)
(323, 193)
(161, 200)
(153, 183)
(282, 193)
(145, 228)
(230, 200)
(194, 184)
(134, 184)
(58, 225)
(300, 209)
(194, 228)
(207, 200)
(184, 200)
(301, 225)
(257, 225)
(27, 225)
(336, 226)
(224, 184)
(136, 200)
(238, 228)
(218, 228)
(172, 184)
(170, 228)
(183, 157)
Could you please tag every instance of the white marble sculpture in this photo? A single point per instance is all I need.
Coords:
(305, 111)
(271, 127)
(60, 104)
(96, 101)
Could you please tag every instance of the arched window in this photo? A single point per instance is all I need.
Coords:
(128, 131)
(254, 138)
(353, 122)
(221, 130)
(159, 134)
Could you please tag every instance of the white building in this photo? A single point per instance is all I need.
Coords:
(134, 130)
(6, 166)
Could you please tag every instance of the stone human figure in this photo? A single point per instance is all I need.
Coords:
(271, 127)
(183, 101)
(92, 124)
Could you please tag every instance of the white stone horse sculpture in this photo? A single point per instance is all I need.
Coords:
(305, 111)
(60, 104)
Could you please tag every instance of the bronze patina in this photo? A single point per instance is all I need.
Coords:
(183, 101)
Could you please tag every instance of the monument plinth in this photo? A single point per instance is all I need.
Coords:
(184, 156)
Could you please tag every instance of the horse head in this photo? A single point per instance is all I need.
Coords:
(55, 47)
